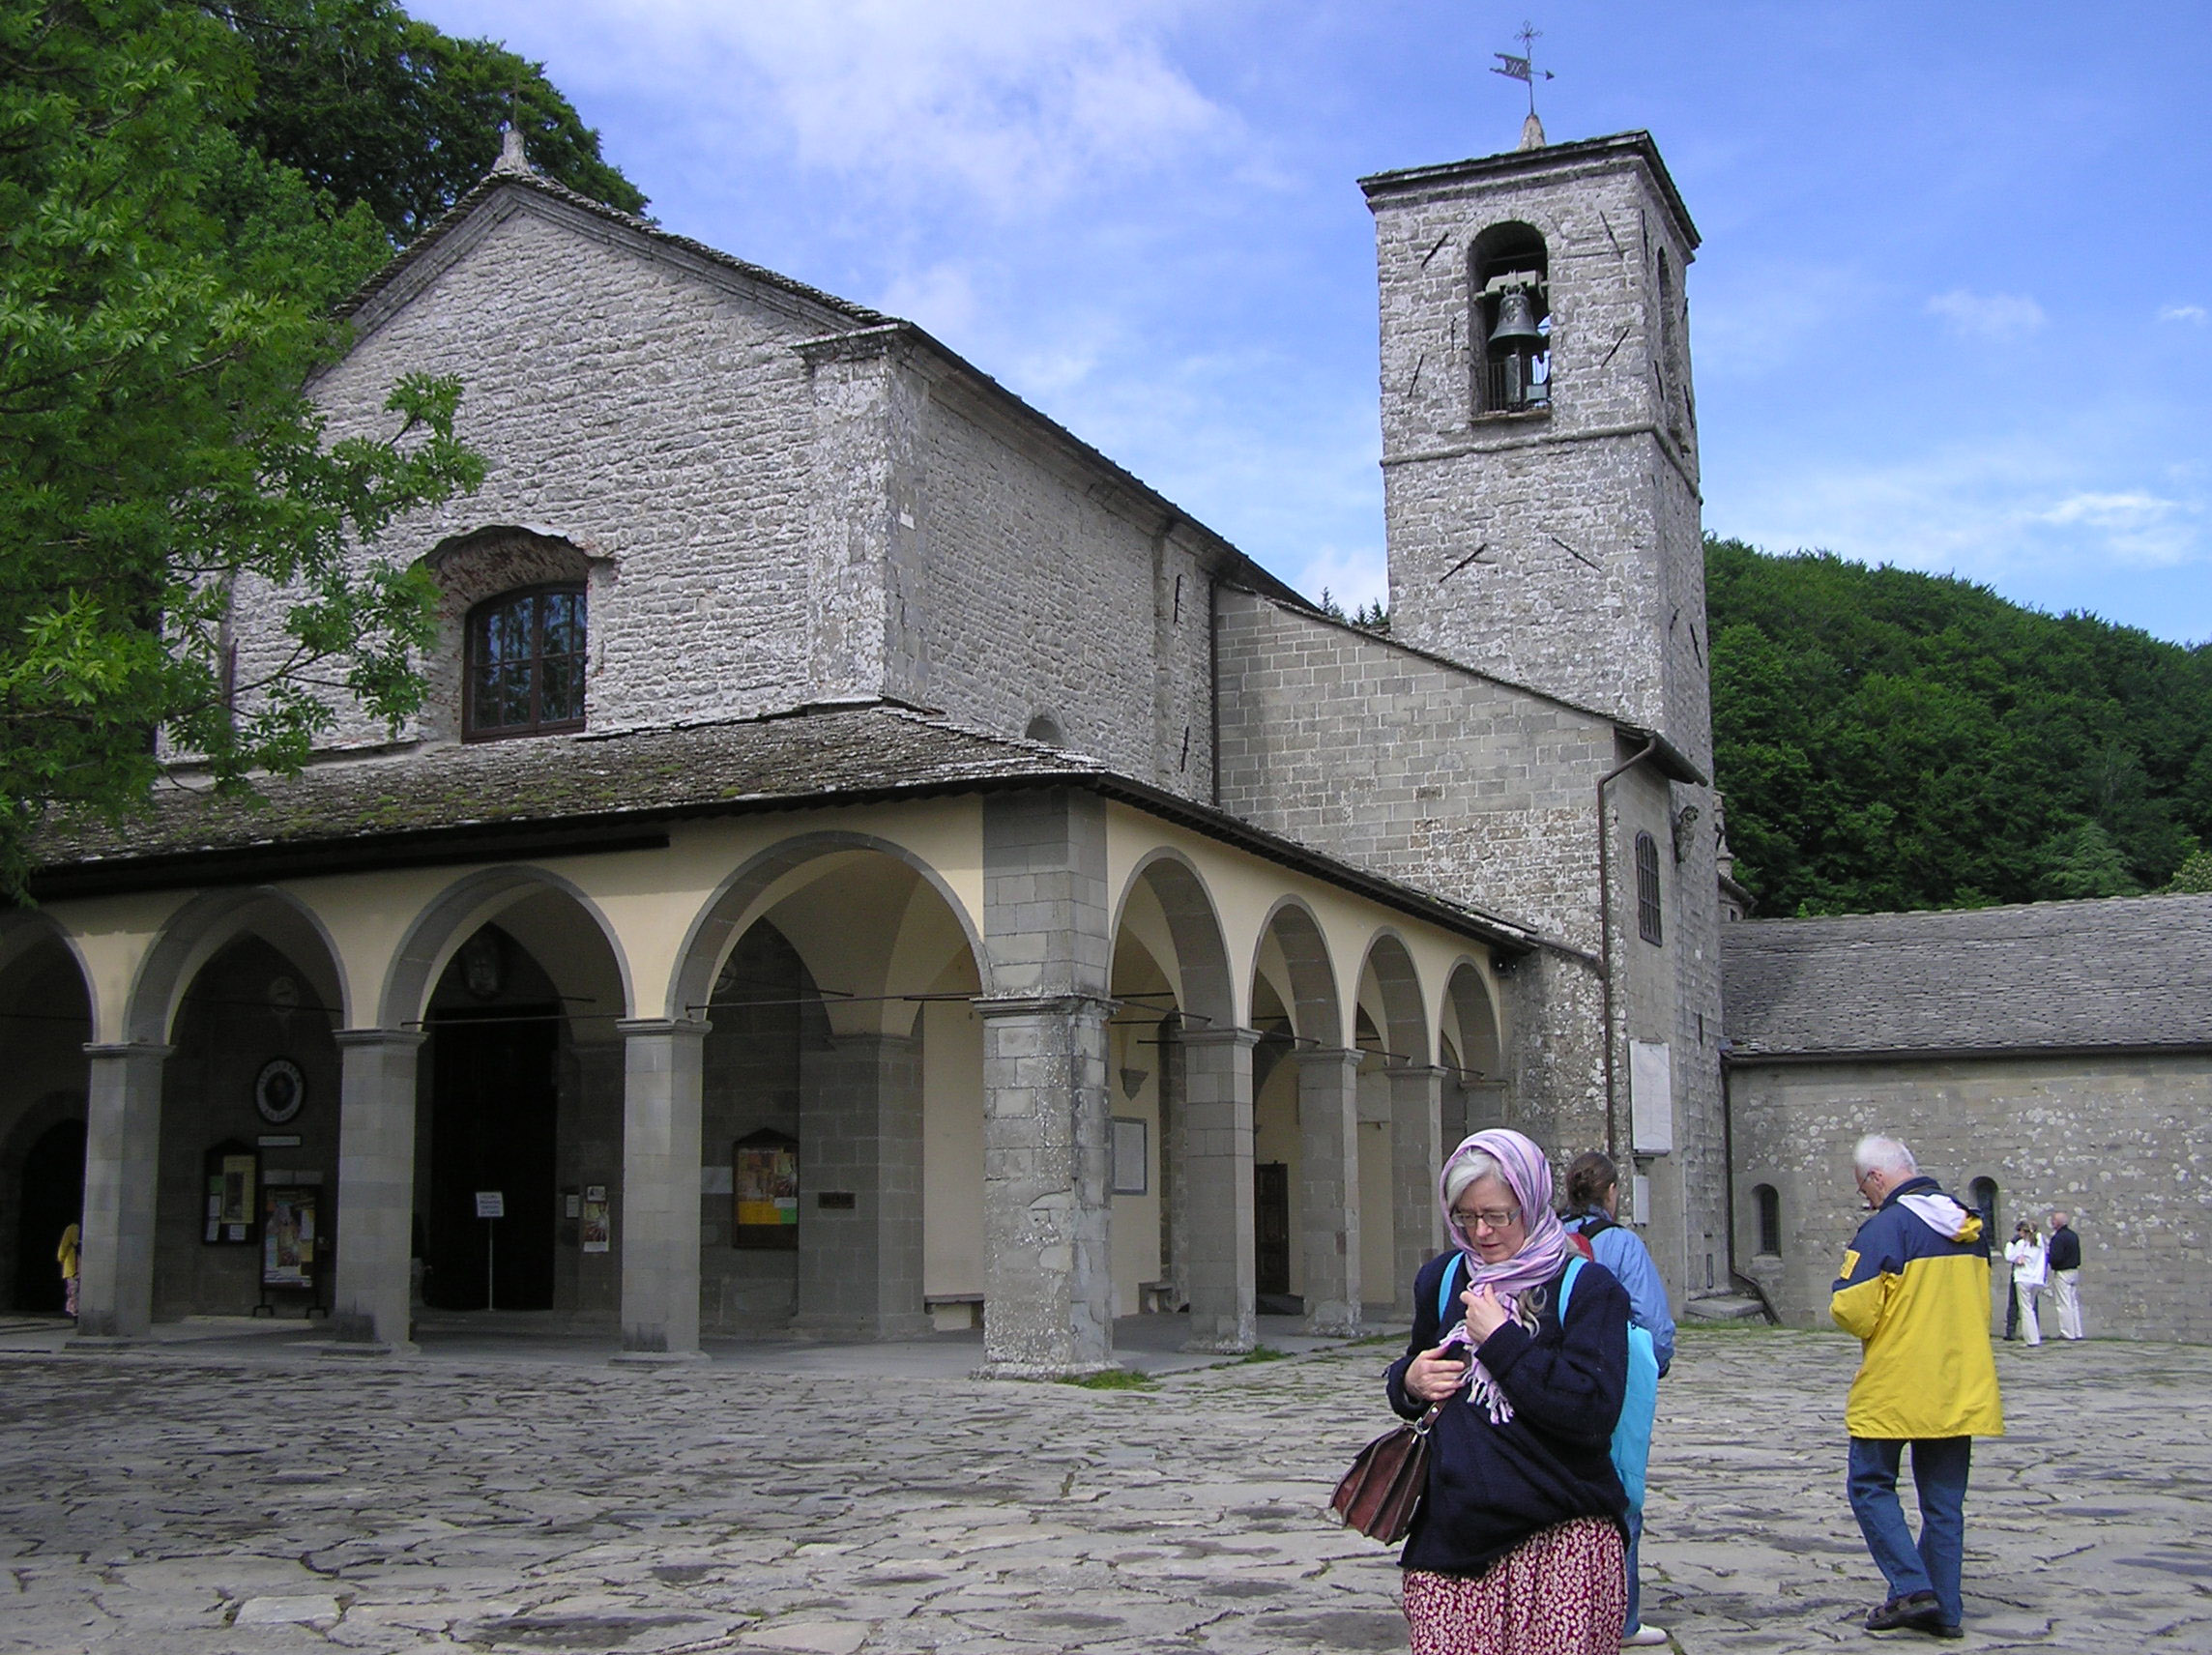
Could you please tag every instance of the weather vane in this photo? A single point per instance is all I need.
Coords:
(1523, 69)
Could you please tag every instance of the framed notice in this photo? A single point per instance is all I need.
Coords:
(291, 1235)
(233, 1172)
(763, 1189)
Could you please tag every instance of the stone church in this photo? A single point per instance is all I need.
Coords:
(869, 863)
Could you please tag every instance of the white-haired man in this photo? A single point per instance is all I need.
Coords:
(1915, 1290)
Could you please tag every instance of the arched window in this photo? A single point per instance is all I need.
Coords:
(526, 663)
(1984, 1194)
(1769, 1201)
(1647, 889)
(1512, 321)
(1045, 728)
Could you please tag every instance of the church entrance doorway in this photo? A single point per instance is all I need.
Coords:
(52, 1200)
(1272, 1227)
(493, 1114)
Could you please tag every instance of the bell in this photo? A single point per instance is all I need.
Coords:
(1516, 320)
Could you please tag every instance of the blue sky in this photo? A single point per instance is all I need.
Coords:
(1954, 309)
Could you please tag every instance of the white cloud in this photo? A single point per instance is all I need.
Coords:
(1350, 575)
(1987, 315)
(1994, 513)
(1005, 100)
(2193, 314)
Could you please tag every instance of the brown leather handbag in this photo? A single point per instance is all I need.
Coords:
(1386, 1481)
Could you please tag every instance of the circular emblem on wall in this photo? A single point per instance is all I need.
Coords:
(279, 1091)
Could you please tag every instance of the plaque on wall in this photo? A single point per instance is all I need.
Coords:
(279, 1091)
(764, 1185)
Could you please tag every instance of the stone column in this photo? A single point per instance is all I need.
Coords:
(376, 1189)
(1174, 1166)
(1217, 1138)
(1048, 1280)
(1329, 1189)
(1416, 1159)
(859, 1189)
(1048, 1287)
(122, 1173)
(659, 1215)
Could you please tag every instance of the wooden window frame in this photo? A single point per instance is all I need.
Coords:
(1650, 919)
(478, 617)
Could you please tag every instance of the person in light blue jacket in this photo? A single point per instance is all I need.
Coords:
(1593, 1206)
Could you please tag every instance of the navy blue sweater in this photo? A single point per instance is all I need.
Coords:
(1491, 1487)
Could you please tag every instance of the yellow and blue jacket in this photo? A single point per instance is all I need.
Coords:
(1915, 1290)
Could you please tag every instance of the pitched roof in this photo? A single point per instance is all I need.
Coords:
(2130, 971)
(551, 795)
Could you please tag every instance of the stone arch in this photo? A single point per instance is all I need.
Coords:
(23, 929)
(1317, 1009)
(1207, 991)
(1404, 1024)
(749, 892)
(206, 924)
(457, 913)
(477, 565)
(1468, 1049)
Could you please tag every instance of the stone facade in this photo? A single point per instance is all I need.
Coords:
(2056, 1056)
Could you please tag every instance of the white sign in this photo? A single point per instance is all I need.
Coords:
(492, 1203)
(1651, 1098)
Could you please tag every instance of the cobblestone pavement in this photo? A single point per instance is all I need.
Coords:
(274, 1500)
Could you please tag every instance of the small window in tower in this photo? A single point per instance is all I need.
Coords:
(526, 663)
(1512, 321)
(1647, 889)
(1770, 1219)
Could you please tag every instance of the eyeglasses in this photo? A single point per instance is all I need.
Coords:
(1496, 1220)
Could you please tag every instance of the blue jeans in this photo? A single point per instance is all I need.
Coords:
(1635, 1586)
(1940, 1466)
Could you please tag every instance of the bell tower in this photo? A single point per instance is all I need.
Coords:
(1540, 432)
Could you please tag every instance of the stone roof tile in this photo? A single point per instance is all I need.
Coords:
(2124, 972)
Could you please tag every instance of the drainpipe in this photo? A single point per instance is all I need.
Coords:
(1605, 939)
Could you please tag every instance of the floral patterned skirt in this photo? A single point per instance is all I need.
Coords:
(1562, 1591)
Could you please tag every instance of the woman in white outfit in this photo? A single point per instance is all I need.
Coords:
(2030, 1271)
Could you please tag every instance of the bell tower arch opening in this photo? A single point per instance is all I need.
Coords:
(1512, 318)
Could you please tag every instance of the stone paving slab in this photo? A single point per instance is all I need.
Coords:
(261, 1499)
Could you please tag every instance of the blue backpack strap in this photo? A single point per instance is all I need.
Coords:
(1444, 1290)
(1567, 1285)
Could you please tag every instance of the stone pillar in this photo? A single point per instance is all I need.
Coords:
(1048, 1287)
(1329, 1189)
(1048, 1280)
(859, 1189)
(376, 1189)
(1417, 1160)
(122, 1173)
(1217, 1137)
(659, 1215)
(1175, 1165)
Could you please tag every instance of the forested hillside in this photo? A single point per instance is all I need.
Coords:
(1891, 741)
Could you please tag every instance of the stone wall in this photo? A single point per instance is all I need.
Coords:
(2123, 1143)
(1558, 548)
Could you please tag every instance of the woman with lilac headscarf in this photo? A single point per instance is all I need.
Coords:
(1518, 1544)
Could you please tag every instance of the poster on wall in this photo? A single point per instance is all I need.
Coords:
(596, 1231)
(233, 1175)
(764, 1187)
(288, 1235)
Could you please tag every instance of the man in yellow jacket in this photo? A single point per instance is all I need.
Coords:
(1915, 1290)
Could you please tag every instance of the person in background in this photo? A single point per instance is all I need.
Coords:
(2024, 1253)
(2065, 1255)
(1593, 1213)
(1915, 1291)
(1518, 1543)
(70, 1256)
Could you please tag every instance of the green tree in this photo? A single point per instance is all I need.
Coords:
(165, 294)
(1891, 741)
(373, 107)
